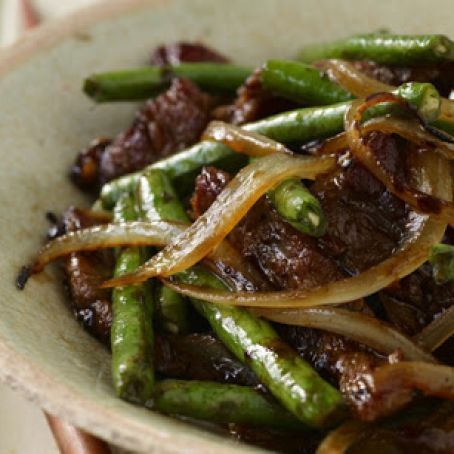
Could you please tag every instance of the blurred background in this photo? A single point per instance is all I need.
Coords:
(23, 427)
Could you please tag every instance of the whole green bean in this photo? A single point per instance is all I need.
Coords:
(252, 340)
(301, 82)
(222, 403)
(442, 260)
(295, 203)
(142, 83)
(132, 332)
(385, 48)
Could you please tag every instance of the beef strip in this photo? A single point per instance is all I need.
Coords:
(200, 357)
(166, 124)
(365, 223)
(85, 271)
(185, 52)
(85, 171)
(441, 75)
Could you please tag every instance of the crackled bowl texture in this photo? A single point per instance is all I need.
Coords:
(45, 119)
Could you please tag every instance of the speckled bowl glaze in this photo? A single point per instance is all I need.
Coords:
(45, 119)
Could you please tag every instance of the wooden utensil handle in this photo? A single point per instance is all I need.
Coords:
(71, 440)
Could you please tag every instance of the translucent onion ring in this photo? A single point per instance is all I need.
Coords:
(362, 86)
(207, 232)
(419, 200)
(355, 325)
(437, 332)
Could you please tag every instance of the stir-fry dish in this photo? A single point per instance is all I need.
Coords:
(271, 251)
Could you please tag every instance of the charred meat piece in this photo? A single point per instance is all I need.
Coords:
(85, 271)
(253, 103)
(166, 124)
(441, 75)
(85, 171)
(209, 183)
(365, 221)
(185, 52)
(200, 357)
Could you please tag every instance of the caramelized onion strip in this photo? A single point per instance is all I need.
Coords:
(419, 200)
(242, 141)
(207, 232)
(355, 325)
(431, 379)
(341, 439)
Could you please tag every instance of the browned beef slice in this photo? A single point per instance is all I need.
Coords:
(85, 171)
(165, 125)
(252, 103)
(200, 357)
(441, 75)
(209, 183)
(185, 52)
(85, 271)
(365, 221)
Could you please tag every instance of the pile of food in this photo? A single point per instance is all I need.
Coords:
(271, 250)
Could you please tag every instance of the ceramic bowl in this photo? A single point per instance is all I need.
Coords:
(45, 119)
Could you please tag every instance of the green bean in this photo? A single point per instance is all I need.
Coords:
(181, 168)
(142, 83)
(222, 403)
(253, 341)
(294, 202)
(442, 260)
(172, 311)
(157, 200)
(300, 82)
(132, 332)
(384, 48)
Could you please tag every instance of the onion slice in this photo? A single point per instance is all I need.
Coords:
(230, 206)
(355, 325)
(341, 439)
(156, 233)
(242, 141)
(437, 332)
(431, 379)
(419, 200)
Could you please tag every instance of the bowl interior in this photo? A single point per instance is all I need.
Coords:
(45, 120)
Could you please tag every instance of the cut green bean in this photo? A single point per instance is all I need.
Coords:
(132, 331)
(142, 83)
(301, 82)
(294, 202)
(384, 48)
(222, 403)
(253, 341)
(442, 260)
